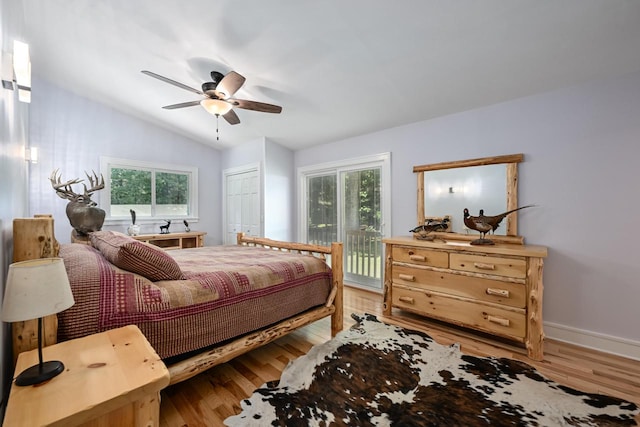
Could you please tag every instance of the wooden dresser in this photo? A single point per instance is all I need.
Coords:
(496, 289)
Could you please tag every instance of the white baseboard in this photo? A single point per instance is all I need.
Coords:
(594, 340)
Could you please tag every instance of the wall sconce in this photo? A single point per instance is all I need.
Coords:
(31, 154)
(7, 70)
(22, 70)
(16, 68)
(460, 190)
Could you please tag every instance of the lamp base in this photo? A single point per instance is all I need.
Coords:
(40, 373)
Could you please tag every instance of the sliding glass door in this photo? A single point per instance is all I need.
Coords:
(322, 208)
(362, 226)
(347, 203)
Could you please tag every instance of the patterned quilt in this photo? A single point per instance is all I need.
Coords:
(227, 291)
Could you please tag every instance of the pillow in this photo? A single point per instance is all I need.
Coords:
(138, 257)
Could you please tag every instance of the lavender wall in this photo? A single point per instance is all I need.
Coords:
(248, 153)
(14, 126)
(277, 180)
(581, 147)
(279, 192)
(72, 132)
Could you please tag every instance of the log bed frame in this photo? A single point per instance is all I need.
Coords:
(33, 238)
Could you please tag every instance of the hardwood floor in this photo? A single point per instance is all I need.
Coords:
(207, 399)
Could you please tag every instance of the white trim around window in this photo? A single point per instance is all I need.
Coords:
(106, 163)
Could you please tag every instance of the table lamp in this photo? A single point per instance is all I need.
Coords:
(34, 289)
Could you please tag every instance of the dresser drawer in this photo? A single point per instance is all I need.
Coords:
(420, 256)
(487, 318)
(495, 291)
(499, 266)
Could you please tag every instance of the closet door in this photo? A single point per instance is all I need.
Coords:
(242, 201)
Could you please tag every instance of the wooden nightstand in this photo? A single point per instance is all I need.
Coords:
(110, 378)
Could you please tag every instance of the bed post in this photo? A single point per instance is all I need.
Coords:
(33, 238)
(337, 269)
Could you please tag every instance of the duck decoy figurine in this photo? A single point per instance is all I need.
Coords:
(485, 224)
(421, 232)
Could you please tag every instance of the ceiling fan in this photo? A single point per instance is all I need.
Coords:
(218, 96)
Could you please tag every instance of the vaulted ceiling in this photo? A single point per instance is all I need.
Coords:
(338, 68)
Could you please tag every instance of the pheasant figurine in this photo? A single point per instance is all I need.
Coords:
(485, 224)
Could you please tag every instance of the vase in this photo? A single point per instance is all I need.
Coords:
(133, 230)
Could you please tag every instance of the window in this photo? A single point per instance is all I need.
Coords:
(154, 191)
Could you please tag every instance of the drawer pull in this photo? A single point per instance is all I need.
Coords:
(483, 266)
(421, 258)
(498, 320)
(498, 292)
(408, 300)
(407, 277)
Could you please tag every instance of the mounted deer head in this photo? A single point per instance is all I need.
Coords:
(65, 191)
(84, 216)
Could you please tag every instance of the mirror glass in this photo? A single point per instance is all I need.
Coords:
(448, 192)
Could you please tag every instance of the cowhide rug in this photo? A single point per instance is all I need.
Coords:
(380, 375)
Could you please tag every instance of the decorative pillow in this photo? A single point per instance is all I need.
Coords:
(138, 257)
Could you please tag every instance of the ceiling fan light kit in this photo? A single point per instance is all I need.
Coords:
(216, 107)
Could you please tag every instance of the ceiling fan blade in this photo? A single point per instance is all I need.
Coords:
(232, 118)
(229, 85)
(181, 105)
(256, 106)
(172, 82)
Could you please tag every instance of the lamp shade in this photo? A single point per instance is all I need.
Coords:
(216, 106)
(36, 288)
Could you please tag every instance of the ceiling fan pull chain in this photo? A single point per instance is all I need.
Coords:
(217, 131)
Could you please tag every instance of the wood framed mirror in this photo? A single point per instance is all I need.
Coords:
(489, 183)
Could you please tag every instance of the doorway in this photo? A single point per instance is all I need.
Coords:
(242, 203)
(349, 202)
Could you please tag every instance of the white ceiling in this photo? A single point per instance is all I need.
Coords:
(338, 68)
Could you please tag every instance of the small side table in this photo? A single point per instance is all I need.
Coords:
(110, 378)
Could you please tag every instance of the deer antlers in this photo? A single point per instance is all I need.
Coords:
(65, 191)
